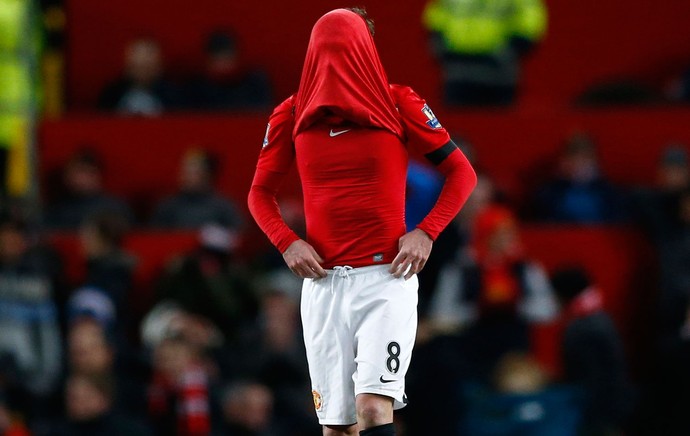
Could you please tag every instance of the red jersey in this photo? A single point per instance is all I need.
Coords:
(353, 179)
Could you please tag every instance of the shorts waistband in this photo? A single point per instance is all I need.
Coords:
(359, 270)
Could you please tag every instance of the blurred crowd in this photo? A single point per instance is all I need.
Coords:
(225, 82)
(217, 349)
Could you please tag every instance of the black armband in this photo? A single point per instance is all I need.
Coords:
(440, 154)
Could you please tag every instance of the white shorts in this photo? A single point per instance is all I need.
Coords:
(359, 329)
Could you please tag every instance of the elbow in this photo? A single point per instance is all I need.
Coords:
(472, 178)
(252, 199)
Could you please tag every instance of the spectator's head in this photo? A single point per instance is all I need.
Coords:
(197, 171)
(13, 240)
(673, 170)
(569, 282)
(222, 55)
(143, 61)
(218, 239)
(248, 405)
(579, 162)
(175, 354)
(88, 397)
(518, 373)
(83, 174)
(102, 233)
(89, 350)
(280, 313)
(496, 234)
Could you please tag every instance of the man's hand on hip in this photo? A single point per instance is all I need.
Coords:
(414, 249)
(303, 260)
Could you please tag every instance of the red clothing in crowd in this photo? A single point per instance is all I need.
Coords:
(186, 398)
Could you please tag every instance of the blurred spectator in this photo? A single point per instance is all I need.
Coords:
(451, 241)
(520, 401)
(142, 88)
(664, 213)
(656, 208)
(579, 192)
(673, 340)
(592, 352)
(493, 278)
(90, 410)
(211, 284)
(619, 92)
(91, 351)
(29, 327)
(178, 395)
(273, 354)
(227, 83)
(480, 43)
(679, 88)
(674, 254)
(273, 351)
(518, 373)
(248, 411)
(83, 194)
(197, 203)
(493, 290)
(108, 267)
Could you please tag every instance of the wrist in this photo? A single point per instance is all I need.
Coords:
(425, 233)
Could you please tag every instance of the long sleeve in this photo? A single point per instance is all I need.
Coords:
(275, 160)
(460, 181)
(264, 208)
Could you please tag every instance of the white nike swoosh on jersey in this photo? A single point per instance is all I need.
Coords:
(332, 134)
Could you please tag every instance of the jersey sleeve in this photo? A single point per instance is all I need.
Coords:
(277, 149)
(424, 132)
(426, 136)
(275, 160)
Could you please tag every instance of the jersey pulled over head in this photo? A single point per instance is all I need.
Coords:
(343, 76)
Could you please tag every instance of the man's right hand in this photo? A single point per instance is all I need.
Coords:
(303, 260)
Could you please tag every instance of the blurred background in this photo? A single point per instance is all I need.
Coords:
(137, 297)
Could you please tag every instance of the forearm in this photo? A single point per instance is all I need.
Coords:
(460, 181)
(265, 211)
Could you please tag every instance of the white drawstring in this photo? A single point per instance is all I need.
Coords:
(340, 271)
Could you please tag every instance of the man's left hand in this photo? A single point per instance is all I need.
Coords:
(414, 249)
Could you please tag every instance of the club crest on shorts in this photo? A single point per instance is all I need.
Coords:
(318, 401)
(433, 121)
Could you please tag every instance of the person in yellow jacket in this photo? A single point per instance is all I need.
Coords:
(19, 41)
(480, 43)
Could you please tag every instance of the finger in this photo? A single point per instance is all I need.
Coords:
(410, 272)
(401, 269)
(422, 264)
(304, 271)
(316, 268)
(396, 262)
